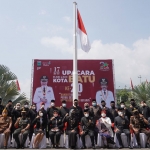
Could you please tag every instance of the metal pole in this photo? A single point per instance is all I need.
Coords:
(75, 73)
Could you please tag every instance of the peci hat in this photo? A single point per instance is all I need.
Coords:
(85, 110)
(93, 100)
(102, 101)
(112, 102)
(10, 101)
(120, 109)
(75, 100)
(55, 111)
(53, 100)
(132, 100)
(26, 103)
(103, 81)
(63, 101)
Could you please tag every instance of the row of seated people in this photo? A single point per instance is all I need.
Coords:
(72, 126)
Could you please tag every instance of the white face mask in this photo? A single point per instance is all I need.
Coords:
(120, 113)
(142, 105)
(42, 106)
(17, 107)
(122, 106)
(26, 106)
(41, 114)
(103, 115)
(86, 115)
(33, 108)
(52, 104)
(63, 105)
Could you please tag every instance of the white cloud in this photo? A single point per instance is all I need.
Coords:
(42, 12)
(129, 62)
(57, 42)
(67, 19)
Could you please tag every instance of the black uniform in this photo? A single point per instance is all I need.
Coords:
(95, 111)
(113, 113)
(145, 111)
(32, 116)
(50, 111)
(134, 107)
(78, 112)
(63, 111)
(22, 124)
(9, 110)
(127, 113)
(88, 126)
(72, 124)
(108, 113)
(1, 108)
(122, 123)
(55, 123)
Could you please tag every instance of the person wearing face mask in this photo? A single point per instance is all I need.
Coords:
(5, 126)
(39, 129)
(87, 107)
(113, 111)
(138, 123)
(126, 111)
(56, 125)
(133, 106)
(104, 126)
(121, 124)
(9, 108)
(44, 93)
(78, 110)
(72, 128)
(22, 124)
(63, 110)
(1, 106)
(26, 108)
(104, 93)
(32, 116)
(87, 128)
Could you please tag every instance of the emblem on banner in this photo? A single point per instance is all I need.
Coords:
(38, 63)
(104, 66)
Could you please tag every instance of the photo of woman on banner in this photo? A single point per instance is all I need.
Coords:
(43, 94)
(104, 94)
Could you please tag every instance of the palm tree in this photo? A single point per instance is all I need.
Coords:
(142, 92)
(8, 87)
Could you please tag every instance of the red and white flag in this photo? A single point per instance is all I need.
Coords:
(85, 44)
(132, 85)
(18, 86)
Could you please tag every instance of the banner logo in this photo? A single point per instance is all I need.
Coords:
(38, 63)
(46, 63)
(104, 66)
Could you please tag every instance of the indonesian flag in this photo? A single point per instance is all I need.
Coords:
(132, 85)
(18, 86)
(85, 44)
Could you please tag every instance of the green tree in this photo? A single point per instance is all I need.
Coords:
(8, 87)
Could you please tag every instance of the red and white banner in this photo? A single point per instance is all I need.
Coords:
(52, 79)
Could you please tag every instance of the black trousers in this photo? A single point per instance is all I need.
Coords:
(91, 134)
(53, 134)
(24, 136)
(31, 131)
(72, 137)
(118, 135)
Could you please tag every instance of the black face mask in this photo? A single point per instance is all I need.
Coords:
(133, 103)
(103, 105)
(112, 106)
(76, 103)
(23, 115)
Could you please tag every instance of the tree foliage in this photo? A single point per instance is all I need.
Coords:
(8, 87)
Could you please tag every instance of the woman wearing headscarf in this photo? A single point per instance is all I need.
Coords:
(104, 126)
(72, 128)
(39, 124)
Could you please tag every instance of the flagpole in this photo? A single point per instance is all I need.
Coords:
(75, 73)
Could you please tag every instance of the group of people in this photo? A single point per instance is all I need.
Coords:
(91, 120)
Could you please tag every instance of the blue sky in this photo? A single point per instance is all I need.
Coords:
(118, 29)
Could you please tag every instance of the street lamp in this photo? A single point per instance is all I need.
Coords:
(140, 78)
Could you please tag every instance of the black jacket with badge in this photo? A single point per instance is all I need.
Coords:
(50, 111)
(63, 111)
(87, 123)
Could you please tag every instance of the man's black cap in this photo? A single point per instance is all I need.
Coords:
(63, 101)
(103, 81)
(10, 101)
(53, 100)
(55, 111)
(44, 78)
(112, 102)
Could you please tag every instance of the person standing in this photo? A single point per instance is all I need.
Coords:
(121, 123)
(44, 94)
(63, 110)
(5, 126)
(133, 106)
(9, 108)
(104, 94)
(1, 106)
(113, 111)
(72, 128)
(87, 128)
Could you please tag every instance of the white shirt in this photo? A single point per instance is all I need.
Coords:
(39, 93)
(107, 96)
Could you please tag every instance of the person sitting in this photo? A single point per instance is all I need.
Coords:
(5, 126)
(39, 129)
(88, 126)
(22, 124)
(121, 123)
(138, 124)
(105, 130)
(72, 128)
(56, 125)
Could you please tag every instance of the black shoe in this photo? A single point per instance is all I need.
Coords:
(84, 147)
(5, 147)
(53, 146)
(120, 147)
(147, 145)
(130, 147)
(18, 146)
(57, 147)
(93, 147)
(139, 146)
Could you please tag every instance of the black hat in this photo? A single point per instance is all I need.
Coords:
(10, 101)
(53, 100)
(131, 100)
(102, 101)
(85, 110)
(55, 111)
(112, 102)
(44, 78)
(103, 81)
(75, 100)
(122, 102)
(119, 108)
(26, 103)
(63, 101)
(93, 100)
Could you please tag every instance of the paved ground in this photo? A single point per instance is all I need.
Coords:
(86, 149)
